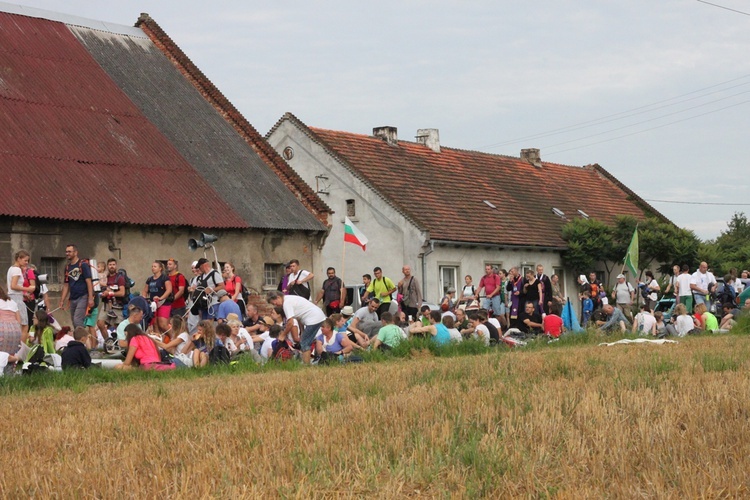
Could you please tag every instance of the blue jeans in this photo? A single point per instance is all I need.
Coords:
(494, 303)
(308, 336)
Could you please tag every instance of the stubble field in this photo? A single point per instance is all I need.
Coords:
(557, 421)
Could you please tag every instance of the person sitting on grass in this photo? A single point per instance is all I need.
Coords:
(204, 339)
(266, 348)
(436, 329)
(142, 351)
(705, 320)
(530, 319)
(389, 335)
(660, 328)
(42, 332)
(615, 320)
(180, 346)
(553, 323)
(425, 315)
(341, 325)
(239, 341)
(480, 331)
(277, 314)
(330, 345)
(644, 322)
(135, 316)
(729, 319)
(682, 322)
(492, 325)
(452, 330)
(76, 355)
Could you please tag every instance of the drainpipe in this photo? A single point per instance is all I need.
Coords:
(424, 268)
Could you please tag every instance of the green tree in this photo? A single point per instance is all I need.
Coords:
(588, 243)
(732, 247)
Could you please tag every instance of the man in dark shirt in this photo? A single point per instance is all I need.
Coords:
(530, 319)
(494, 334)
(332, 293)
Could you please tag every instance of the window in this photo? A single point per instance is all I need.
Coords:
(448, 276)
(351, 209)
(272, 274)
(560, 272)
(53, 267)
(495, 265)
(527, 266)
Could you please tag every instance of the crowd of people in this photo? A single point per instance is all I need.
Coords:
(178, 321)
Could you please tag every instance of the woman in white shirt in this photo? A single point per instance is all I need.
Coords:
(683, 322)
(16, 289)
(10, 324)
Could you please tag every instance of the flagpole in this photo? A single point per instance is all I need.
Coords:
(343, 267)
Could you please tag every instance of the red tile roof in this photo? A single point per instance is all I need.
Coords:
(74, 147)
(445, 192)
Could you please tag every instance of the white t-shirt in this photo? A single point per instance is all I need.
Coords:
(455, 335)
(184, 337)
(683, 285)
(622, 292)
(645, 323)
(15, 271)
(364, 314)
(654, 287)
(485, 333)
(683, 324)
(8, 305)
(702, 280)
(305, 311)
(494, 322)
(267, 348)
(244, 335)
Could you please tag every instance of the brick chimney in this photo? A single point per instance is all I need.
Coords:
(532, 157)
(430, 137)
(388, 134)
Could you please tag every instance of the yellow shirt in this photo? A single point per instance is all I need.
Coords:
(377, 287)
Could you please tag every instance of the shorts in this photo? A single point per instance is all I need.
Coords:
(18, 299)
(90, 320)
(308, 336)
(164, 311)
(185, 359)
(495, 304)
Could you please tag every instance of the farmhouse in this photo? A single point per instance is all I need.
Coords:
(446, 212)
(111, 138)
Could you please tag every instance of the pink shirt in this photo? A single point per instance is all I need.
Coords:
(490, 283)
(146, 351)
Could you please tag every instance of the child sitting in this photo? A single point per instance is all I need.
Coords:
(660, 327)
(553, 322)
(42, 332)
(75, 355)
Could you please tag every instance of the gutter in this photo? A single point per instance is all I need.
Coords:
(424, 266)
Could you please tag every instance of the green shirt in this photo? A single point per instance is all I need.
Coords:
(390, 335)
(712, 324)
(377, 287)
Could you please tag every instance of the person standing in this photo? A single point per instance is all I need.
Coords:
(158, 289)
(233, 284)
(298, 281)
(683, 292)
(306, 313)
(411, 292)
(623, 293)
(672, 285)
(546, 291)
(381, 288)
(490, 283)
(179, 288)
(702, 284)
(332, 293)
(78, 289)
(653, 290)
(20, 287)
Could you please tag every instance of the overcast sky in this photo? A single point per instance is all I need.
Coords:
(657, 92)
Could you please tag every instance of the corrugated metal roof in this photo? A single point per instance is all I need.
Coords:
(77, 148)
(198, 131)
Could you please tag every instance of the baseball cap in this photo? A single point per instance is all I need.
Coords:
(620, 276)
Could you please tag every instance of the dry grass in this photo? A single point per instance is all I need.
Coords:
(581, 421)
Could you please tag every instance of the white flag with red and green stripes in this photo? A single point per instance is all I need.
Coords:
(354, 235)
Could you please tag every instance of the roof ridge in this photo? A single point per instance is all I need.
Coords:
(308, 131)
(211, 93)
(442, 147)
(68, 19)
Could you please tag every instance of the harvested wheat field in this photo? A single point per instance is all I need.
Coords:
(557, 421)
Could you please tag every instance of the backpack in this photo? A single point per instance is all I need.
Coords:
(199, 297)
(283, 352)
(218, 355)
(594, 292)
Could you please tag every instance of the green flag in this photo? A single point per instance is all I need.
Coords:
(631, 258)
